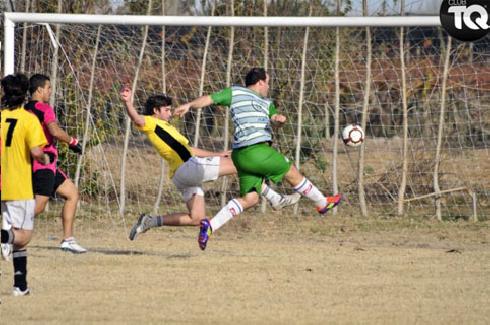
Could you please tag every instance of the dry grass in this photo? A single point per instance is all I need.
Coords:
(262, 269)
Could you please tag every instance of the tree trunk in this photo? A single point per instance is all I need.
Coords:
(441, 129)
(365, 112)
(403, 183)
(122, 184)
(299, 126)
(24, 43)
(335, 138)
(163, 164)
(263, 207)
(227, 112)
(88, 117)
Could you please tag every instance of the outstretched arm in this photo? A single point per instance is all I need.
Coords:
(200, 102)
(205, 153)
(127, 97)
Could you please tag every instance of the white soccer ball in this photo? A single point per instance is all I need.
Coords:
(353, 135)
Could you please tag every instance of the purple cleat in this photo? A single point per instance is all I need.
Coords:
(204, 233)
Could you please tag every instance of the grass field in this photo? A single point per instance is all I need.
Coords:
(262, 269)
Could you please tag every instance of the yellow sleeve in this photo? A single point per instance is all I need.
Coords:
(35, 134)
(150, 124)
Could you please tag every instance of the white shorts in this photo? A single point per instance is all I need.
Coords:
(18, 214)
(190, 175)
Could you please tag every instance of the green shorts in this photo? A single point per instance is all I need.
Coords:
(256, 163)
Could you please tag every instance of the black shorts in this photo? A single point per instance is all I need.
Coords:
(45, 182)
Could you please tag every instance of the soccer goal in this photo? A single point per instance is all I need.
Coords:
(422, 98)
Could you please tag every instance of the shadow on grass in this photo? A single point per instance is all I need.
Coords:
(111, 251)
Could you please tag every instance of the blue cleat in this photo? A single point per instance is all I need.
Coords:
(204, 233)
(332, 202)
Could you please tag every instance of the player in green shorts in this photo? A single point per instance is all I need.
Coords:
(253, 115)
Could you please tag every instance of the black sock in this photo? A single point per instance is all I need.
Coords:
(7, 236)
(20, 269)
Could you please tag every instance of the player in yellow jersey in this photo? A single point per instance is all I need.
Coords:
(21, 137)
(189, 166)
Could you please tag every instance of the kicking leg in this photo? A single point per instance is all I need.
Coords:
(306, 188)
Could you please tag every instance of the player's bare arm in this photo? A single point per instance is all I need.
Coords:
(197, 103)
(57, 132)
(205, 153)
(127, 97)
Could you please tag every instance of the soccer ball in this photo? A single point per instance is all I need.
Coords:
(353, 135)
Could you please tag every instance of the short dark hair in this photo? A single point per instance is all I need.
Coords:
(254, 76)
(14, 90)
(156, 101)
(37, 81)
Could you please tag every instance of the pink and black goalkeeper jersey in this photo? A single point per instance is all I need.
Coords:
(45, 114)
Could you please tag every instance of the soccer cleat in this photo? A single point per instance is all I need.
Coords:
(71, 245)
(286, 200)
(141, 226)
(16, 292)
(7, 250)
(332, 202)
(204, 233)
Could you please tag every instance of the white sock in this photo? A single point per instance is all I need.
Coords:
(272, 196)
(307, 189)
(231, 209)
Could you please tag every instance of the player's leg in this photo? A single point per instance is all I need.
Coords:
(194, 198)
(306, 188)
(43, 188)
(250, 186)
(17, 227)
(277, 201)
(65, 188)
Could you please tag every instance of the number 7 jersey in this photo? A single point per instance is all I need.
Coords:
(21, 131)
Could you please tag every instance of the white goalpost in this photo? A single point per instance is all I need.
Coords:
(11, 18)
(425, 102)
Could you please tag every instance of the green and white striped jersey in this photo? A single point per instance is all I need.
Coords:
(250, 114)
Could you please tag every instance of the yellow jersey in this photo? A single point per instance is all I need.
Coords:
(20, 132)
(168, 141)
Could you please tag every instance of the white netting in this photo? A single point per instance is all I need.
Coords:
(465, 157)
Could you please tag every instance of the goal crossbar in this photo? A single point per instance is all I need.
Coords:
(11, 18)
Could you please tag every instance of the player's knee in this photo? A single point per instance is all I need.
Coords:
(250, 200)
(196, 218)
(73, 195)
(40, 206)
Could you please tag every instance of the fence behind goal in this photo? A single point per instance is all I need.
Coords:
(93, 61)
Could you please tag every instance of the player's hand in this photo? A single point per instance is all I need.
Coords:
(45, 159)
(75, 146)
(126, 93)
(278, 119)
(182, 109)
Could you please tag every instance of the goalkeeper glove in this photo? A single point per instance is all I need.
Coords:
(75, 146)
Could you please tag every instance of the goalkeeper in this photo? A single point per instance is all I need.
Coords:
(50, 179)
(253, 114)
(189, 167)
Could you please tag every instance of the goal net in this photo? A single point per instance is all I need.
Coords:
(447, 91)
